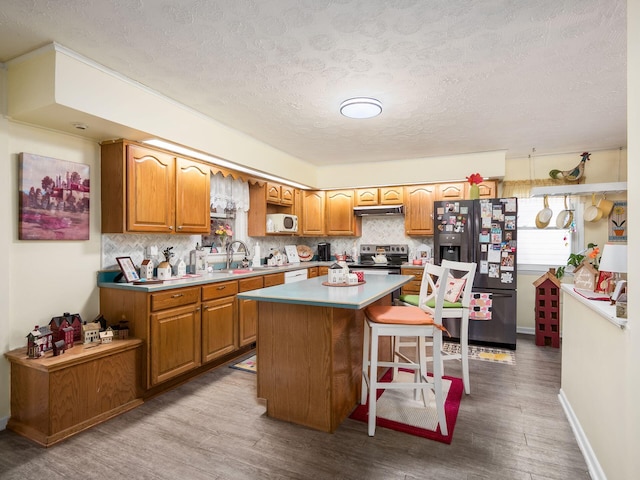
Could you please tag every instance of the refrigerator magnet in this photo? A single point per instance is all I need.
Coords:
(494, 270)
(507, 277)
(509, 222)
(484, 267)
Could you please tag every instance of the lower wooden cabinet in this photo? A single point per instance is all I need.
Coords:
(248, 311)
(413, 287)
(53, 398)
(219, 332)
(175, 342)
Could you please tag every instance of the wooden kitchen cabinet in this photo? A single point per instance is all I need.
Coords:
(313, 213)
(413, 287)
(248, 311)
(280, 194)
(419, 209)
(262, 205)
(488, 189)
(339, 213)
(219, 320)
(323, 270)
(145, 190)
(365, 197)
(175, 342)
(53, 398)
(312, 272)
(273, 279)
(450, 191)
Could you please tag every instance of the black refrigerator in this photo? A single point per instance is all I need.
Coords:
(483, 231)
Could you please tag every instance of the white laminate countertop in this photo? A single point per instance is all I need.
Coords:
(603, 308)
(313, 292)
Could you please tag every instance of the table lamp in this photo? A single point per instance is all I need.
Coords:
(614, 260)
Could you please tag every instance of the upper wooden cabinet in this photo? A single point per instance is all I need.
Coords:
(418, 200)
(148, 190)
(262, 202)
(280, 194)
(488, 189)
(340, 217)
(313, 213)
(378, 196)
(450, 191)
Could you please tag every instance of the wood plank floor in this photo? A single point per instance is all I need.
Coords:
(511, 427)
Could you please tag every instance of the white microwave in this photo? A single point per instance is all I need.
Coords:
(282, 222)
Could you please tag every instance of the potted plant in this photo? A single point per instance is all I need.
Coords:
(474, 191)
(575, 259)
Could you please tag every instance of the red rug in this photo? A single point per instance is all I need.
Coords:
(407, 408)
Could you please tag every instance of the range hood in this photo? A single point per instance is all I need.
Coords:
(379, 210)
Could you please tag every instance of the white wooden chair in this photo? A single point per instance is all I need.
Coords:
(408, 321)
(459, 309)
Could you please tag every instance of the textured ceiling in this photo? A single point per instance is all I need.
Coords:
(454, 76)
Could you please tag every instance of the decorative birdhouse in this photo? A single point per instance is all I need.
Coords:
(91, 332)
(180, 268)
(547, 309)
(67, 336)
(336, 274)
(585, 276)
(106, 336)
(146, 269)
(35, 343)
(58, 347)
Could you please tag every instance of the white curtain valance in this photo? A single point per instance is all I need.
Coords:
(229, 194)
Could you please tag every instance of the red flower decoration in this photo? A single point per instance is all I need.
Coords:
(475, 178)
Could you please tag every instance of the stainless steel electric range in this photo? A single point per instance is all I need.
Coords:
(396, 255)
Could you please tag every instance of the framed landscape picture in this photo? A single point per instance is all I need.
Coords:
(54, 199)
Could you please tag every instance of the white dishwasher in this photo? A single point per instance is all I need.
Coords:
(295, 275)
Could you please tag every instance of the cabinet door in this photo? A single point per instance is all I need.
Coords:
(247, 321)
(248, 311)
(340, 217)
(323, 271)
(367, 197)
(450, 191)
(418, 219)
(488, 189)
(193, 197)
(287, 195)
(273, 192)
(219, 328)
(312, 272)
(175, 342)
(150, 190)
(391, 195)
(413, 287)
(313, 213)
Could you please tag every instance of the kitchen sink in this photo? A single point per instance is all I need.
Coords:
(240, 270)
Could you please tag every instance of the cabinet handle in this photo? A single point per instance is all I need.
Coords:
(177, 295)
(222, 288)
(180, 227)
(171, 227)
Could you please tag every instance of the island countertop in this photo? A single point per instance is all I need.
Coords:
(312, 292)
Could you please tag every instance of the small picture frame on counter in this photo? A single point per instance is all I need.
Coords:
(128, 269)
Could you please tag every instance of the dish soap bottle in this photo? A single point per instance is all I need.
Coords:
(256, 255)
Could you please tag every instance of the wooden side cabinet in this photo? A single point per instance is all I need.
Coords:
(248, 311)
(53, 398)
(418, 218)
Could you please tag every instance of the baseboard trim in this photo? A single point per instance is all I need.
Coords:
(526, 330)
(595, 470)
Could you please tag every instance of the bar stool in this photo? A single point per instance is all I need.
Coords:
(456, 305)
(392, 321)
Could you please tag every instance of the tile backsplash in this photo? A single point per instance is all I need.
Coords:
(375, 230)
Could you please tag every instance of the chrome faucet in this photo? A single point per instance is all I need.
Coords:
(230, 251)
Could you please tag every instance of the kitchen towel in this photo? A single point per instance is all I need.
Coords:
(480, 306)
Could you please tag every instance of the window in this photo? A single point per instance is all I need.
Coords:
(542, 248)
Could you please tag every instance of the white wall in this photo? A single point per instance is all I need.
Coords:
(43, 279)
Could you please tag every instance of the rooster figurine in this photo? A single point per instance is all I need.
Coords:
(575, 173)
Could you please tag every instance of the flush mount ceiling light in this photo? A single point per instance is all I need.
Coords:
(361, 107)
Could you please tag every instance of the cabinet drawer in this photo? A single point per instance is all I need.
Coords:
(253, 283)
(174, 298)
(313, 272)
(219, 290)
(273, 279)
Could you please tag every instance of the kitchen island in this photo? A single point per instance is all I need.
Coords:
(310, 346)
